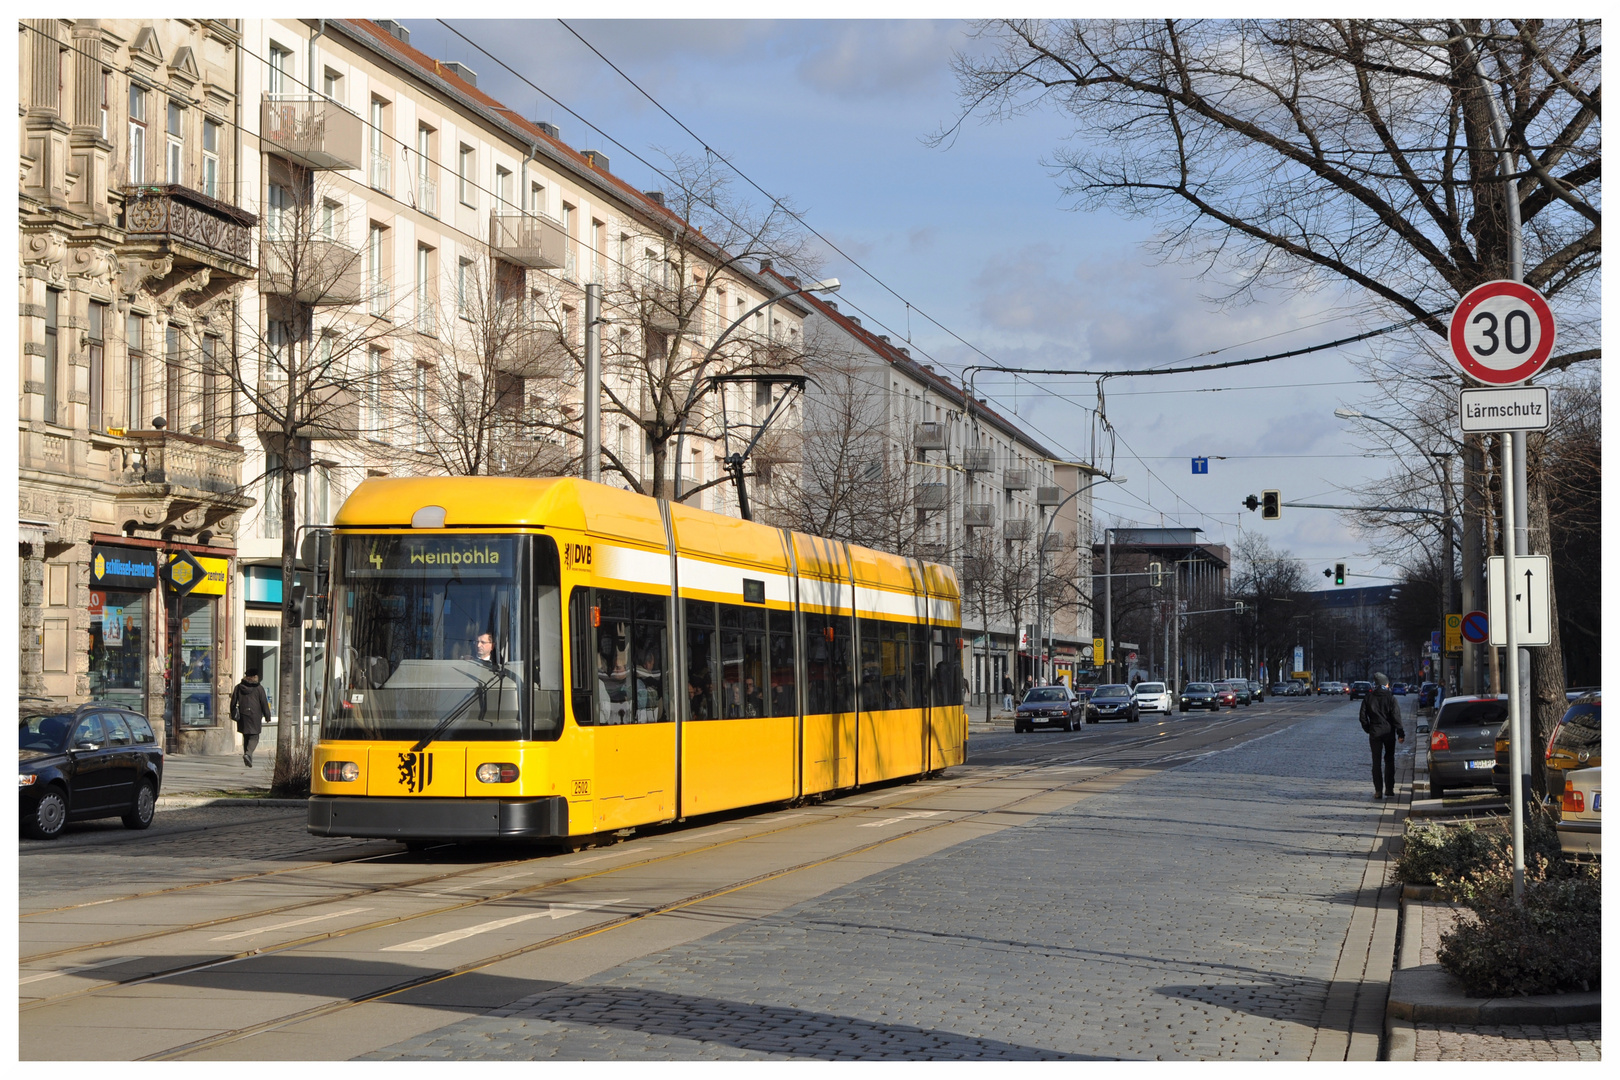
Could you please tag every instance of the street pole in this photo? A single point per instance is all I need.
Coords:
(1108, 605)
(592, 469)
(1040, 578)
(1516, 774)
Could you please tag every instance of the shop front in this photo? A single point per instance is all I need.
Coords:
(123, 645)
(195, 596)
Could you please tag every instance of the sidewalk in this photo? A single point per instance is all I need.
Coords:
(189, 777)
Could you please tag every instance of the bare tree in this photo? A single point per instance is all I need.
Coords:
(1274, 582)
(313, 367)
(666, 292)
(1346, 152)
(467, 405)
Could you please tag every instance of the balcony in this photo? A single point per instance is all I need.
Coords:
(311, 271)
(531, 240)
(978, 460)
(929, 435)
(978, 515)
(1048, 496)
(381, 297)
(427, 318)
(932, 496)
(329, 412)
(195, 231)
(184, 482)
(1016, 529)
(1015, 479)
(377, 176)
(312, 131)
(932, 550)
(1055, 541)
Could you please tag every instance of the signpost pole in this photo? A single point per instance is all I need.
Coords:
(1515, 710)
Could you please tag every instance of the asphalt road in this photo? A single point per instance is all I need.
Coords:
(1181, 887)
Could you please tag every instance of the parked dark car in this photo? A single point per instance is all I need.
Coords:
(1112, 701)
(1462, 743)
(1360, 689)
(1256, 691)
(1279, 690)
(1399, 689)
(86, 761)
(1426, 695)
(1200, 695)
(1055, 706)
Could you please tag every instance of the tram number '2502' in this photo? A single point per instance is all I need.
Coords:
(1526, 332)
(576, 555)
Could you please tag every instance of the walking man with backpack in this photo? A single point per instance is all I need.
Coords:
(250, 708)
(1381, 720)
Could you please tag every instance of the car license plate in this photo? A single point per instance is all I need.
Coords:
(1597, 801)
(1488, 763)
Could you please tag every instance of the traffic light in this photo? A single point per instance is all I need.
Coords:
(1338, 573)
(1252, 503)
(1157, 572)
(1271, 505)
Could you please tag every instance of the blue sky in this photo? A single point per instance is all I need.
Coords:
(831, 115)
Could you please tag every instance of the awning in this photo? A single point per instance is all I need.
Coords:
(260, 617)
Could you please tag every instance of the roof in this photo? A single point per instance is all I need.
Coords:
(900, 358)
(369, 35)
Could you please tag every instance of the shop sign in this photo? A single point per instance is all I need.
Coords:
(211, 580)
(122, 568)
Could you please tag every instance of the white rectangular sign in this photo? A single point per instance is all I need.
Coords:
(1504, 408)
(1532, 600)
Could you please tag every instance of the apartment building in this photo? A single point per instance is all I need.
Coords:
(136, 251)
(426, 253)
(890, 452)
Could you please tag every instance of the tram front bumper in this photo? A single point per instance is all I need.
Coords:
(438, 819)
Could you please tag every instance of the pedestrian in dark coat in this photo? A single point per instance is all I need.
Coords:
(250, 708)
(1381, 720)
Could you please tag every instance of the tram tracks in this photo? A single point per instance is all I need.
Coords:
(1176, 750)
(993, 774)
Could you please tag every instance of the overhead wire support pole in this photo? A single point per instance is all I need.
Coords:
(592, 453)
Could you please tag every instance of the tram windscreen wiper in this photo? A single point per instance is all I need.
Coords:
(501, 674)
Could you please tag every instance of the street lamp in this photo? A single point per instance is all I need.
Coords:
(1448, 601)
(699, 387)
(1040, 573)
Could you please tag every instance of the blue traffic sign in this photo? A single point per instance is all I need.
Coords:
(1200, 465)
(1476, 627)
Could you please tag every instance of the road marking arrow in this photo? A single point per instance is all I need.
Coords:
(553, 911)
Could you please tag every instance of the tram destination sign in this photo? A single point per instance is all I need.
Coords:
(1504, 408)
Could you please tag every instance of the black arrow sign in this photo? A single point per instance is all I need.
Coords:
(1530, 609)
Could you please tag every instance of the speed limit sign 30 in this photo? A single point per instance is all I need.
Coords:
(1502, 333)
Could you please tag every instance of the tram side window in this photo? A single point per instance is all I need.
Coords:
(871, 665)
(919, 667)
(547, 669)
(947, 668)
(830, 663)
(896, 665)
(742, 662)
(784, 699)
(702, 660)
(629, 656)
(582, 647)
(652, 647)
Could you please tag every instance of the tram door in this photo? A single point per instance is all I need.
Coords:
(632, 713)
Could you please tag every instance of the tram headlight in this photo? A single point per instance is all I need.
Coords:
(491, 772)
(344, 772)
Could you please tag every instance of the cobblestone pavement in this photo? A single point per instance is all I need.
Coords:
(1195, 914)
(1521, 1042)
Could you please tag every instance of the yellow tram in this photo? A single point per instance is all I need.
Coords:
(553, 658)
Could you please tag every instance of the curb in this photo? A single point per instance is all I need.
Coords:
(1427, 993)
(187, 802)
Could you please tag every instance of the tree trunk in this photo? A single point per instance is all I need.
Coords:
(1546, 665)
(292, 622)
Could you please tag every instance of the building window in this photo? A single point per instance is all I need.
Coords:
(425, 322)
(332, 86)
(427, 199)
(379, 150)
(210, 386)
(375, 274)
(465, 177)
(137, 134)
(270, 520)
(106, 102)
(624, 258)
(373, 393)
(570, 265)
(210, 175)
(419, 404)
(135, 332)
(280, 69)
(537, 198)
(96, 339)
(565, 324)
(464, 286)
(171, 376)
(174, 153)
(331, 223)
(503, 189)
(277, 203)
(52, 356)
(597, 230)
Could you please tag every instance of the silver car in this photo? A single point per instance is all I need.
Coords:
(1154, 697)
